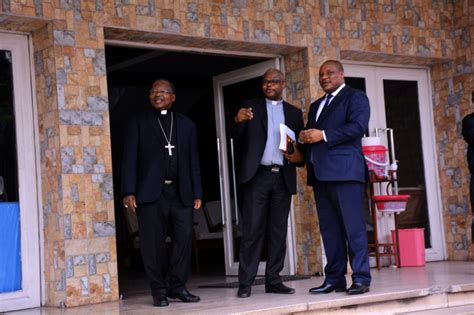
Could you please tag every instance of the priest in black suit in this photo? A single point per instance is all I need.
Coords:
(268, 179)
(161, 182)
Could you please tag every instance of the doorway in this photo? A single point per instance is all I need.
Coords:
(19, 233)
(400, 100)
(130, 74)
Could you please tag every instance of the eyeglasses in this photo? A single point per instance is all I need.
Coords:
(156, 92)
(272, 82)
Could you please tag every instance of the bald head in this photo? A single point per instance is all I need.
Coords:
(165, 81)
(276, 73)
(336, 63)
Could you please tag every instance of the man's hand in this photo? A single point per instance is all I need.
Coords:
(130, 203)
(243, 115)
(197, 203)
(295, 157)
(311, 136)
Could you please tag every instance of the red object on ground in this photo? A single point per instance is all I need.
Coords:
(412, 246)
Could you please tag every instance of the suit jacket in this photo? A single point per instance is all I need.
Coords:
(252, 136)
(143, 163)
(468, 134)
(344, 123)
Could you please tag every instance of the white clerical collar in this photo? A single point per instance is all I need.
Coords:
(164, 112)
(273, 102)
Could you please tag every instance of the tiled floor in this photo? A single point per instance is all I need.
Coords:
(388, 283)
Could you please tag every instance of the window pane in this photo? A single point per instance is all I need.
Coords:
(402, 113)
(356, 83)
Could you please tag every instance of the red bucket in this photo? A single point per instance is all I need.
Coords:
(412, 246)
(375, 158)
(391, 203)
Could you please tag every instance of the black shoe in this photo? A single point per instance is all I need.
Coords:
(184, 295)
(279, 288)
(358, 288)
(244, 291)
(327, 288)
(160, 300)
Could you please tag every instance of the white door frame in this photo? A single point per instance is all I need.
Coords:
(26, 135)
(374, 76)
(220, 82)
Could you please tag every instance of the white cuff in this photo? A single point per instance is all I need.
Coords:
(324, 136)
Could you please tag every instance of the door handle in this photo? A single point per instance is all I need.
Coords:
(234, 182)
(221, 181)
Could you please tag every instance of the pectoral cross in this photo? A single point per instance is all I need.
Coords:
(169, 147)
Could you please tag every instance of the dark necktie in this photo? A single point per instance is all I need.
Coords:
(326, 105)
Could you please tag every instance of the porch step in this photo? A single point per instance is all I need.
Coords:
(453, 299)
(457, 310)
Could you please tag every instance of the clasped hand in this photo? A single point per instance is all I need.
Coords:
(310, 136)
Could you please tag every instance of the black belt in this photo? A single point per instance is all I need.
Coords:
(274, 168)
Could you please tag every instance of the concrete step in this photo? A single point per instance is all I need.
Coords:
(457, 310)
(436, 299)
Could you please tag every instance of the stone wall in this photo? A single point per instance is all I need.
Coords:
(53, 220)
(453, 87)
(68, 42)
(469, 104)
(75, 158)
(79, 225)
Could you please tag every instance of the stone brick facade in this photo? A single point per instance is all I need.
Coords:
(68, 38)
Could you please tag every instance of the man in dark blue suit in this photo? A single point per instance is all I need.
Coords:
(268, 178)
(161, 182)
(336, 170)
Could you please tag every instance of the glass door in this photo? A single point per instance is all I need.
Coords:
(230, 89)
(19, 236)
(400, 100)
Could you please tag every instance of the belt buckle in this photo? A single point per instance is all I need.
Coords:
(168, 182)
(275, 169)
